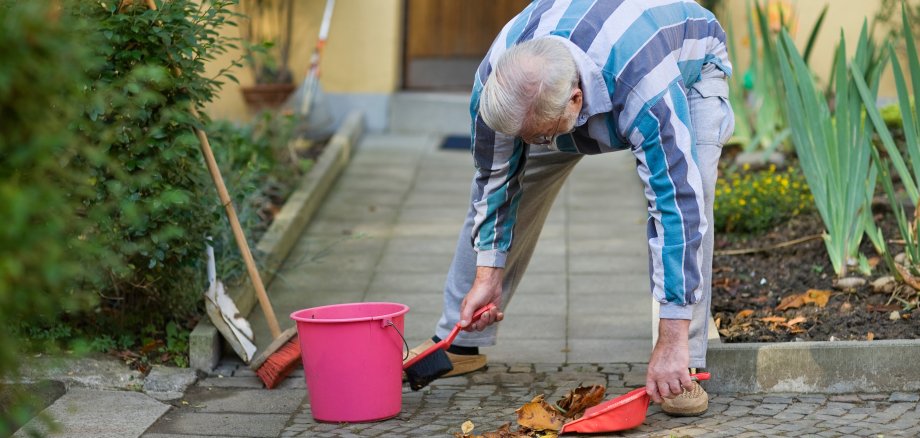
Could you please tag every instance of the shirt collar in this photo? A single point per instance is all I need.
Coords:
(596, 99)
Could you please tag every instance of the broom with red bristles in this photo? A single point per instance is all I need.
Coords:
(283, 354)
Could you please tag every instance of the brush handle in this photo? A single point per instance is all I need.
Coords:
(699, 376)
(456, 330)
(445, 343)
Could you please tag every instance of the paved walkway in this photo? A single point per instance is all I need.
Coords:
(582, 314)
(387, 232)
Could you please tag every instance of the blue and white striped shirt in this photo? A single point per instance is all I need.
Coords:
(636, 59)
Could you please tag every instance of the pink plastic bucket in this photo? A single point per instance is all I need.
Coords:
(352, 358)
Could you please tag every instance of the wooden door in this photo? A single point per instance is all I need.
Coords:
(446, 39)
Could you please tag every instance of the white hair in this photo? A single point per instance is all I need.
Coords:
(531, 81)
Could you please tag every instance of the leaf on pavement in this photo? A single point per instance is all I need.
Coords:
(579, 399)
(817, 297)
(467, 427)
(539, 415)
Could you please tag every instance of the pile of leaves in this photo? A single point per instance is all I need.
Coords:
(539, 418)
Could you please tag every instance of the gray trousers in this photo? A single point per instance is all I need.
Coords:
(546, 172)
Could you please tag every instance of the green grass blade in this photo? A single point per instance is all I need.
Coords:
(813, 36)
(909, 125)
(914, 63)
(887, 141)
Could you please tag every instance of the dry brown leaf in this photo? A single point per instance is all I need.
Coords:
(791, 302)
(504, 432)
(579, 399)
(870, 336)
(798, 320)
(911, 281)
(467, 427)
(773, 319)
(538, 415)
(817, 297)
(718, 322)
(744, 314)
(882, 307)
(873, 262)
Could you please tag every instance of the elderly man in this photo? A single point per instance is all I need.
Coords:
(569, 78)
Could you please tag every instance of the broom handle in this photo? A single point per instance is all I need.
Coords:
(237, 230)
(231, 216)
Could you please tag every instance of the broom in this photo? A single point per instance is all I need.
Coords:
(280, 357)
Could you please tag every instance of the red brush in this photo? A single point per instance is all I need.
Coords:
(433, 362)
(278, 359)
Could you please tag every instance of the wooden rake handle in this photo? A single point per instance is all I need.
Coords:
(238, 235)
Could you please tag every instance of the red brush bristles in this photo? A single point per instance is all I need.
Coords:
(280, 364)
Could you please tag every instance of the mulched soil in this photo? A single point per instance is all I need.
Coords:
(759, 282)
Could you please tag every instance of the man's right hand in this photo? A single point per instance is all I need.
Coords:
(487, 288)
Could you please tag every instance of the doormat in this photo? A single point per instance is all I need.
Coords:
(456, 142)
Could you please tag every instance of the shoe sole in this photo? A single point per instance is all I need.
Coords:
(687, 414)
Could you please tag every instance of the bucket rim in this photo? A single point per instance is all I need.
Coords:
(402, 311)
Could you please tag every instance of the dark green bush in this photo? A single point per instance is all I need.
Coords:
(45, 234)
(106, 196)
(137, 112)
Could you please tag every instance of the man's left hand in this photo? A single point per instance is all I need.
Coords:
(668, 368)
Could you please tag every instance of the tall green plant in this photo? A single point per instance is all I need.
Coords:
(764, 125)
(911, 127)
(833, 148)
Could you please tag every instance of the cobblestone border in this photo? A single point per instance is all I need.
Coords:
(204, 341)
(811, 367)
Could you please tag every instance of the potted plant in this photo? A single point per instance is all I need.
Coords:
(267, 41)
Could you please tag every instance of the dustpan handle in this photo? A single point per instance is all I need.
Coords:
(696, 377)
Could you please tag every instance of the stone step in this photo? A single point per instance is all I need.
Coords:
(430, 113)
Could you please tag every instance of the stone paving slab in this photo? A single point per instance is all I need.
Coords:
(83, 412)
(489, 399)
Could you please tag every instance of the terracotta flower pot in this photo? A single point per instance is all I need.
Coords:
(261, 97)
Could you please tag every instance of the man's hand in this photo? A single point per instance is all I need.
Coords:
(487, 288)
(668, 373)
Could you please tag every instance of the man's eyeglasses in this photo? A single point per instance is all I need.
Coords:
(544, 140)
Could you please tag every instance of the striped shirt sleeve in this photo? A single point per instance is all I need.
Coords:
(663, 145)
(499, 160)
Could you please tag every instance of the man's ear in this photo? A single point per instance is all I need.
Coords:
(577, 96)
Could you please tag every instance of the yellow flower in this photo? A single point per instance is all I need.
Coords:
(741, 202)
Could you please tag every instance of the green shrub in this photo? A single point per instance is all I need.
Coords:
(754, 201)
(44, 237)
(138, 113)
(258, 173)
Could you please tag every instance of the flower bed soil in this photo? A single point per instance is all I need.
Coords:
(748, 288)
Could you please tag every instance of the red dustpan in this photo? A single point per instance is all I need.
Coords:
(624, 412)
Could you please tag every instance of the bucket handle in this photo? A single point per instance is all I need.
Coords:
(389, 323)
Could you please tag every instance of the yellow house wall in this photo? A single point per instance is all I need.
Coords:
(364, 51)
(843, 14)
(362, 54)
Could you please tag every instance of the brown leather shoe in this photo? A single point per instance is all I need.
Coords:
(689, 404)
(463, 363)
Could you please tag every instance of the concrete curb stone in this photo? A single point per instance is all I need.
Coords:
(815, 367)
